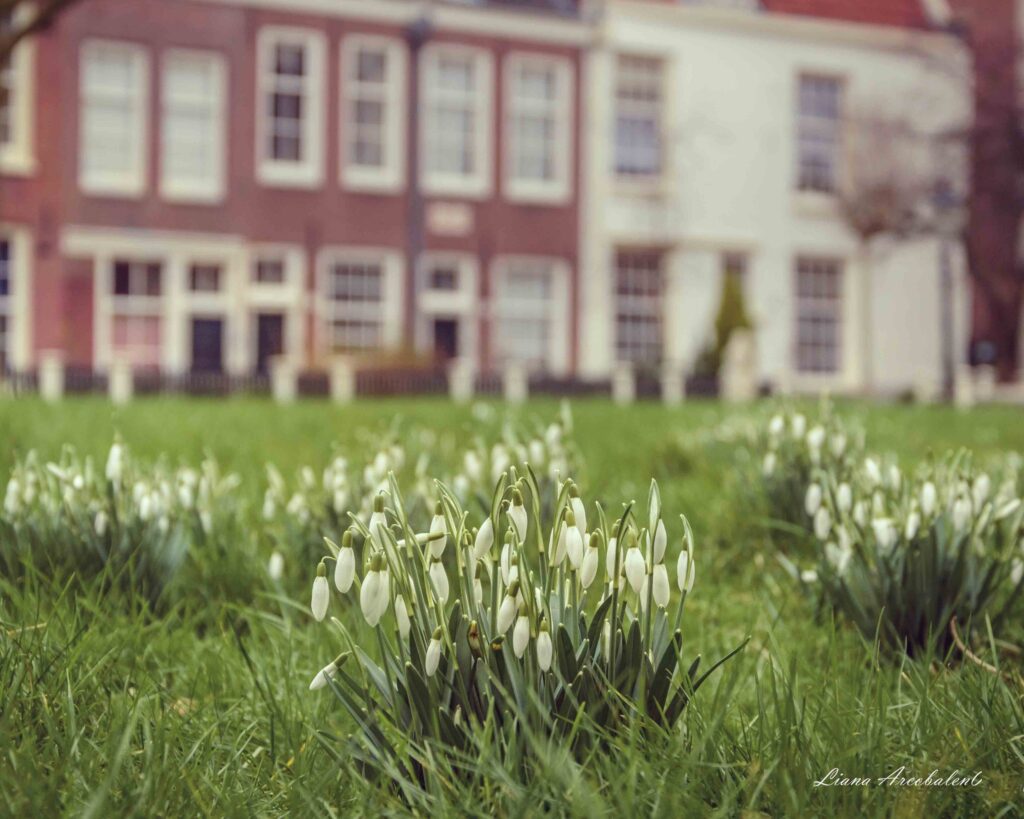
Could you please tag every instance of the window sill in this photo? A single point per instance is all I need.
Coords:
(274, 175)
(17, 164)
(815, 204)
(115, 189)
(641, 186)
(360, 181)
(527, 194)
(457, 188)
(185, 196)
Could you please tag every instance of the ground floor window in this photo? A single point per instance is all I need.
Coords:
(524, 313)
(137, 306)
(6, 276)
(639, 298)
(818, 314)
(355, 304)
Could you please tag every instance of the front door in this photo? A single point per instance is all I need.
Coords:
(207, 345)
(269, 339)
(446, 339)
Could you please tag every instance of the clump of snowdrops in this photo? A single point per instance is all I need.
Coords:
(912, 557)
(500, 629)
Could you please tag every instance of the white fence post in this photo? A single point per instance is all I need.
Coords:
(985, 383)
(739, 367)
(963, 388)
(515, 383)
(121, 381)
(51, 375)
(461, 378)
(343, 380)
(673, 386)
(624, 383)
(283, 380)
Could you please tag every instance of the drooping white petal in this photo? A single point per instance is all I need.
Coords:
(660, 542)
(433, 657)
(324, 674)
(574, 546)
(636, 568)
(521, 635)
(321, 597)
(580, 511)
(660, 589)
(517, 514)
(484, 540)
(812, 500)
(822, 523)
(438, 526)
(345, 569)
(544, 650)
(439, 577)
(929, 498)
(275, 567)
(402, 617)
(589, 566)
(368, 597)
(506, 613)
(844, 497)
(610, 557)
(685, 571)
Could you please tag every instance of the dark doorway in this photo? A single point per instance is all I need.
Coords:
(269, 339)
(446, 339)
(207, 345)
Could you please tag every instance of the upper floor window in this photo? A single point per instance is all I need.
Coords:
(456, 95)
(819, 133)
(193, 126)
(290, 108)
(818, 315)
(269, 270)
(204, 278)
(372, 112)
(114, 82)
(639, 115)
(639, 300)
(15, 100)
(539, 125)
(8, 87)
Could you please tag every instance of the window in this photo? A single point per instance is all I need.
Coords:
(290, 109)
(525, 303)
(204, 278)
(355, 305)
(6, 309)
(137, 306)
(538, 126)
(819, 121)
(373, 82)
(8, 87)
(456, 93)
(639, 97)
(113, 126)
(638, 306)
(818, 315)
(192, 159)
(16, 97)
(444, 277)
(268, 271)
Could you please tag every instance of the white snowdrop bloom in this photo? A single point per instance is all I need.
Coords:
(146, 507)
(500, 462)
(438, 527)
(507, 609)
(809, 576)
(589, 564)
(636, 568)
(573, 541)
(269, 507)
(685, 572)
(845, 540)
(1008, 508)
(929, 497)
(798, 426)
(321, 593)
(328, 672)
(776, 426)
(373, 591)
(345, 565)
(340, 500)
(561, 546)
(660, 589)
(860, 513)
(980, 490)
(872, 471)
(380, 463)
(544, 648)
(473, 466)
(12, 497)
(115, 463)
(378, 522)
(478, 589)
(433, 659)
(205, 520)
(402, 617)
(822, 523)
(844, 497)
(912, 525)
(462, 487)
(275, 566)
(885, 533)
(521, 635)
(99, 524)
(536, 452)
(517, 515)
(78, 482)
(611, 555)
(838, 444)
(484, 539)
(878, 504)
(895, 479)
(185, 496)
(439, 577)
(553, 435)
(961, 514)
(838, 557)
(812, 499)
(816, 437)
(138, 492)
(1016, 571)
(768, 466)
(579, 511)
(660, 542)
(505, 562)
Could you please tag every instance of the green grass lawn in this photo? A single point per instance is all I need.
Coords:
(109, 708)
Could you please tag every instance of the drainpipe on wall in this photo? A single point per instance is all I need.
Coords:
(416, 35)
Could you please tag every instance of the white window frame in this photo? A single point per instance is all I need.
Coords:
(642, 303)
(137, 305)
(392, 293)
(559, 313)
(803, 122)
(556, 189)
(840, 317)
(662, 115)
(478, 184)
(390, 176)
(16, 307)
(16, 155)
(308, 172)
(131, 182)
(210, 190)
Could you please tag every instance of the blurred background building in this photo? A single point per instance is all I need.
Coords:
(201, 186)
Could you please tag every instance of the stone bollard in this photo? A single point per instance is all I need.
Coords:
(121, 381)
(738, 374)
(461, 378)
(624, 383)
(343, 380)
(963, 388)
(673, 385)
(283, 379)
(985, 383)
(515, 383)
(51, 375)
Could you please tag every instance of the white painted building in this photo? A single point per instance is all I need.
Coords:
(718, 136)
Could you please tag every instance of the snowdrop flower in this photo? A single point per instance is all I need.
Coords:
(961, 513)
(1008, 509)
(146, 507)
(321, 593)
(328, 672)
(928, 498)
(885, 533)
(275, 567)
(878, 504)
(99, 524)
(809, 576)
(544, 647)
(894, 477)
(768, 466)
(660, 542)
(816, 437)
(573, 540)
(588, 567)
(685, 572)
(373, 596)
(611, 553)
(521, 635)
(505, 562)
(812, 500)
(478, 588)
(636, 567)
(517, 515)
(553, 435)
(402, 617)
(378, 522)
(269, 507)
(561, 546)
(507, 610)
(438, 527)
(798, 426)
(776, 426)
(484, 539)
(872, 471)
(579, 511)
(838, 444)
(860, 514)
(536, 450)
(433, 653)
(660, 589)
(844, 497)
(912, 525)
(439, 578)
(822, 523)
(11, 498)
(980, 490)
(345, 564)
(1016, 571)
(115, 463)
(838, 557)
